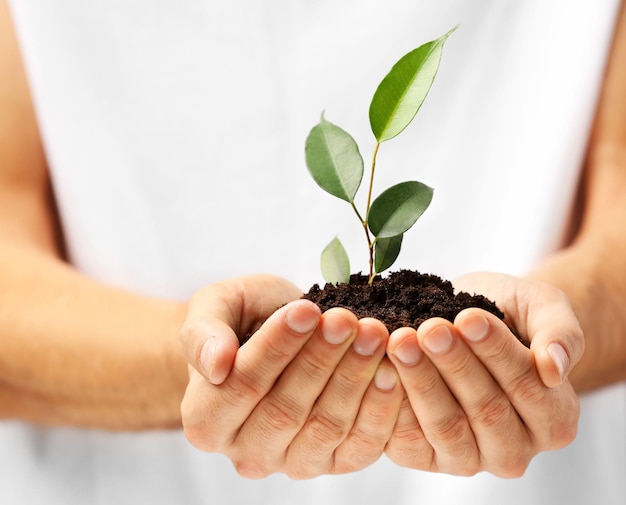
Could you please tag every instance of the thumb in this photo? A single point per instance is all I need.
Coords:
(557, 339)
(220, 313)
(208, 339)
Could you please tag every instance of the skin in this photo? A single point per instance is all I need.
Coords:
(310, 393)
(474, 398)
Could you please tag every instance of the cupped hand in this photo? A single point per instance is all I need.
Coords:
(476, 398)
(308, 394)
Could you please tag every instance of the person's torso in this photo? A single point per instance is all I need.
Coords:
(175, 135)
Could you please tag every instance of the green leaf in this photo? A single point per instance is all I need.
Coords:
(401, 93)
(334, 161)
(386, 251)
(335, 263)
(397, 208)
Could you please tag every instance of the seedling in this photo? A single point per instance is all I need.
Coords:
(335, 162)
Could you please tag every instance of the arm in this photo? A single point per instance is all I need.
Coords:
(72, 351)
(75, 352)
(592, 270)
(477, 399)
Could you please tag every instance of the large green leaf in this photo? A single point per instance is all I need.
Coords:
(334, 161)
(397, 208)
(335, 262)
(401, 93)
(386, 251)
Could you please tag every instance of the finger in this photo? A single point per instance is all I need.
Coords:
(502, 441)
(540, 312)
(556, 336)
(441, 418)
(219, 315)
(283, 411)
(211, 410)
(549, 415)
(375, 422)
(408, 446)
(207, 337)
(335, 411)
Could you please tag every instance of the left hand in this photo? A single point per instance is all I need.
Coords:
(476, 398)
(308, 394)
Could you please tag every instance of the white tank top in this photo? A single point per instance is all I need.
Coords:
(175, 134)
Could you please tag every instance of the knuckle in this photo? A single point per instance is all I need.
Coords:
(526, 388)
(197, 426)
(564, 432)
(350, 382)
(577, 340)
(314, 365)
(190, 333)
(381, 418)
(198, 437)
(565, 435)
(241, 389)
(408, 436)
(424, 385)
(362, 449)
(324, 431)
(188, 330)
(462, 367)
(511, 467)
(469, 469)
(279, 415)
(408, 447)
(455, 448)
(451, 430)
(275, 352)
(251, 467)
(493, 413)
(301, 472)
(408, 457)
(498, 352)
(198, 434)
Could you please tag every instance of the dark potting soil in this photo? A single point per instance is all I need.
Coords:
(402, 298)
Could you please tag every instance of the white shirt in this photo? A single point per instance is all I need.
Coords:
(175, 134)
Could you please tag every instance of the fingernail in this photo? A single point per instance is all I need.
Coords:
(302, 318)
(439, 340)
(408, 352)
(560, 358)
(336, 330)
(366, 342)
(385, 378)
(207, 357)
(474, 328)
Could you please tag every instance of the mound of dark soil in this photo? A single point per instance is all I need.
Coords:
(403, 298)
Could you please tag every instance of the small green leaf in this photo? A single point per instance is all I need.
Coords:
(334, 160)
(335, 263)
(386, 251)
(397, 208)
(401, 93)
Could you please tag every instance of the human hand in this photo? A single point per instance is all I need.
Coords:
(477, 399)
(308, 394)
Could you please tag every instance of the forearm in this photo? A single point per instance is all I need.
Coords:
(76, 352)
(592, 271)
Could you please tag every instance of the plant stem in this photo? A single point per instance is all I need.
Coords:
(370, 242)
(364, 223)
(371, 186)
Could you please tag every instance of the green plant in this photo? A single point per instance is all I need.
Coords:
(334, 161)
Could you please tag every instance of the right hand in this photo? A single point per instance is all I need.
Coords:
(308, 394)
(478, 400)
